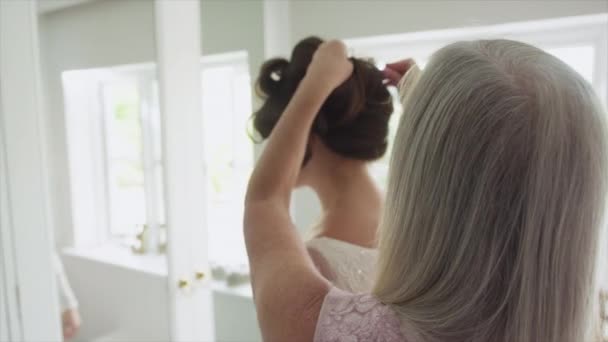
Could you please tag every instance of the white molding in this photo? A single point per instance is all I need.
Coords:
(135, 68)
(48, 6)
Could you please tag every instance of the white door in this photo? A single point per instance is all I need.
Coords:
(10, 325)
(178, 40)
(27, 273)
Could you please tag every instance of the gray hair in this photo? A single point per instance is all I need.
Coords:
(495, 199)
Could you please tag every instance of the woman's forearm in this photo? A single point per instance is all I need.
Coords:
(277, 169)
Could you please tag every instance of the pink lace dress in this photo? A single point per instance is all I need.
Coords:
(347, 317)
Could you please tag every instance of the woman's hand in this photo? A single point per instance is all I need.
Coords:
(330, 66)
(71, 321)
(393, 72)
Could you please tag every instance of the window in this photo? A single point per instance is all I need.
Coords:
(228, 154)
(116, 164)
(125, 170)
(111, 134)
(133, 165)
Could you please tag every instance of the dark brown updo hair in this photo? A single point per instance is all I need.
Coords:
(353, 121)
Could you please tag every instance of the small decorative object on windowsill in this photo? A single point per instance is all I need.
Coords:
(239, 276)
(142, 240)
(218, 272)
(233, 276)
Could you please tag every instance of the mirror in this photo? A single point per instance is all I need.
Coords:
(110, 195)
(99, 70)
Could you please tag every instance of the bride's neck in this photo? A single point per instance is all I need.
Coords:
(351, 203)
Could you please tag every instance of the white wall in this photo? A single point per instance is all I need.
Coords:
(119, 303)
(239, 323)
(230, 25)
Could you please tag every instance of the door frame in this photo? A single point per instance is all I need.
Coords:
(178, 44)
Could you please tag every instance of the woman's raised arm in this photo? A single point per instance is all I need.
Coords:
(288, 290)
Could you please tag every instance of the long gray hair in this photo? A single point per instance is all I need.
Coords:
(495, 199)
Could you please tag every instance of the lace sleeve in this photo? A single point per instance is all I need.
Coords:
(349, 317)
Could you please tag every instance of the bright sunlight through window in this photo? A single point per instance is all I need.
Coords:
(114, 134)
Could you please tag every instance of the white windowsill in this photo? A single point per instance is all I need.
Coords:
(154, 265)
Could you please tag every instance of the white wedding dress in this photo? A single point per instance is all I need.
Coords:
(349, 267)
